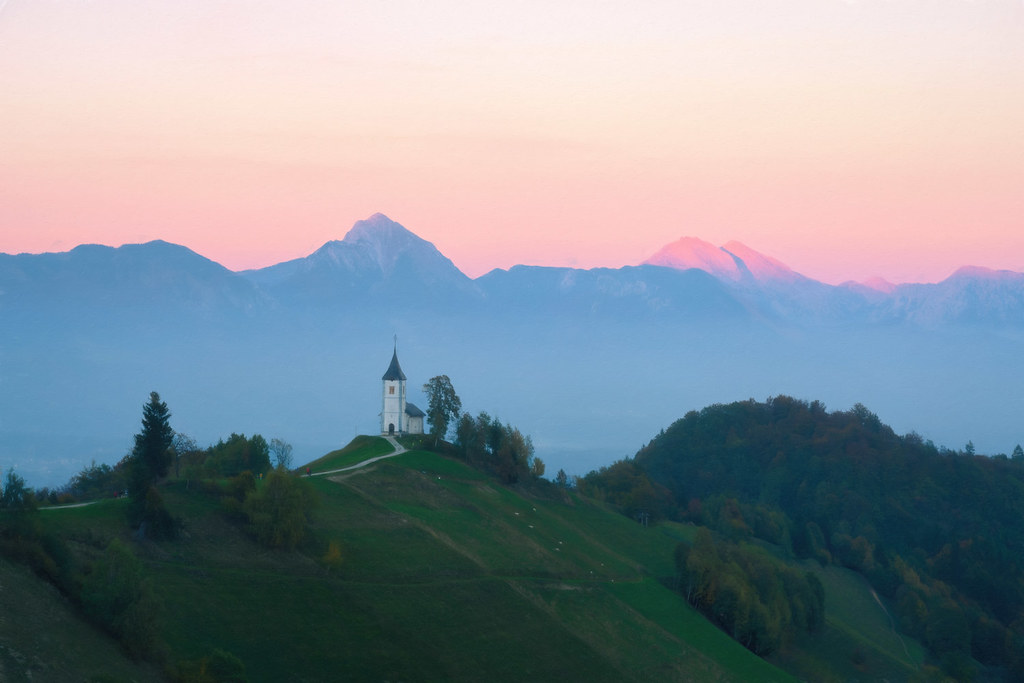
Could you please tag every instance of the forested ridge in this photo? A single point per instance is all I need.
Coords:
(940, 533)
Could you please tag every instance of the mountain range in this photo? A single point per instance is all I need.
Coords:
(590, 362)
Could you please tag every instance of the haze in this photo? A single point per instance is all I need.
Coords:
(848, 139)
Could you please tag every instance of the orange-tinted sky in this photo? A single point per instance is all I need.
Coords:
(846, 138)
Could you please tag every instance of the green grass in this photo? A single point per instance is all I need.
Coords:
(448, 575)
(42, 637)
(854, 624)
(361, 448)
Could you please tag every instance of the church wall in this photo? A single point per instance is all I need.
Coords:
(393, 408)
(415, 425)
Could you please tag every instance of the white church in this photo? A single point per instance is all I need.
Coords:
(398, 416)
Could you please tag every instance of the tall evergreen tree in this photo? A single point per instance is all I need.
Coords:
(150, 460)
(153, 444)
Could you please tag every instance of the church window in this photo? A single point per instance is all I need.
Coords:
(391, 390)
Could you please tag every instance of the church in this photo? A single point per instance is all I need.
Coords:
(398, 416)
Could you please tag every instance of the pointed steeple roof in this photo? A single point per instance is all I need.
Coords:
(394, 370)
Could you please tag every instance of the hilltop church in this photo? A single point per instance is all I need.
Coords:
(398, 416)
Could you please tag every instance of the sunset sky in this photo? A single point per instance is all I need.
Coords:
(848, 139)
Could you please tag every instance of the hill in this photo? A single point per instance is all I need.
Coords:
(43, 638)
(441, 574)
(937, 532)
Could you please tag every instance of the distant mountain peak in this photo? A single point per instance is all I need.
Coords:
(760, 266)
(377, 254)
(879, 284)
(734, 261)
(378, 228)
(983, 273)
(693, 252)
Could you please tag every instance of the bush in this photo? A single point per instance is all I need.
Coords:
(117, 597)
(279, 510)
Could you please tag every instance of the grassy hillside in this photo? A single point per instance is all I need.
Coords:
(42, 637)
(445, 575)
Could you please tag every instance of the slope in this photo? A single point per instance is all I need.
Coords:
(445, 575)
(42, 638)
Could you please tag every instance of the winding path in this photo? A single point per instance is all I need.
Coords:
(399, 449)
(892, 624)
(65, 507)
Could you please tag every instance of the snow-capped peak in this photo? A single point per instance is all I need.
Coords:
(761, 267)
(692, 252)
(735, 261)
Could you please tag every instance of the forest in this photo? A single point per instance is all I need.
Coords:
(939, 533)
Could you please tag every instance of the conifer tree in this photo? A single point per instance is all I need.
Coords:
(153, 444)
(150, 460)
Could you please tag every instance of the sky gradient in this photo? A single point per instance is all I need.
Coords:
(848, 139)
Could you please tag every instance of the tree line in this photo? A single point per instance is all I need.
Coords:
(270, 503)
(752, 597)
(938, 532)
(482, 441)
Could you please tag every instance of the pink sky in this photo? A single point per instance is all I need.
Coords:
(846, 138)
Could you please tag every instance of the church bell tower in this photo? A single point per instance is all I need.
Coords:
(393, 412)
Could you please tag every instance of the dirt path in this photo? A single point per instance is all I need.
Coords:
(892, 624)
(65, 507)
(399, 449)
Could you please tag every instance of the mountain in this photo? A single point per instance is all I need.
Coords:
(132, 277)
(379, 260)
(693, 253)
(733, 261)
(768, 288)
(628, 293)
(587, 361)
(970, 296)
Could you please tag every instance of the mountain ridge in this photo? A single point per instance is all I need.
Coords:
(589, 361)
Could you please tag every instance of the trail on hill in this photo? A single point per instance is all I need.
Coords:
(65, 507)
(892, 625)
(399, 449)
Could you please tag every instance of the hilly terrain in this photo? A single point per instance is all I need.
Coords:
(589, 362)
(937, 532)
(441, 574)
(416, 567)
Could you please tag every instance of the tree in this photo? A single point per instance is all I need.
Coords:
(278, 511)
(513, 455)
(184, 448)
(239, 454)
(536, 467)
(443, 406)
(153, 444)
(332, 558)
(18, 515)
(562, 479)
(1018, 453)
(282, 452)
(16, 497)
(149, 461)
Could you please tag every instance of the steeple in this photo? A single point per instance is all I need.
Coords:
(394, 370)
